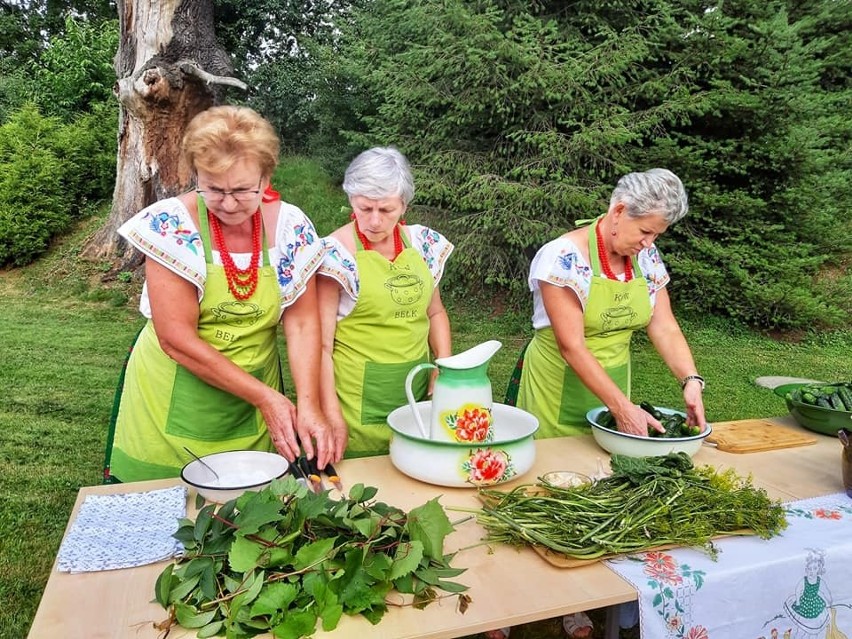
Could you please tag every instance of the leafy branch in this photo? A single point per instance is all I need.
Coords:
(284, 558)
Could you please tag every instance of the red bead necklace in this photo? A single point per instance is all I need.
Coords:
(602, 256)
(241, 282)
(397, 240)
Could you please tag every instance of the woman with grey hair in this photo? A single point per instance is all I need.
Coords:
(592, 288)
(380, 308)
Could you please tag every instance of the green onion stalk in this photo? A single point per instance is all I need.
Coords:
(646, 503)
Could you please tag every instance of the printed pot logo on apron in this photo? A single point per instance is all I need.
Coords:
(385, 335)
(614, 309)
(618, 318)
(237, 313)
(405, 288)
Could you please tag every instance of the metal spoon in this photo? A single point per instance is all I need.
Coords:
(203, 463)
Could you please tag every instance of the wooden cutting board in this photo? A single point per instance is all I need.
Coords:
(754, 435)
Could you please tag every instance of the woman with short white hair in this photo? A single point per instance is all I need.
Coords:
(380, 307)
(592, 288)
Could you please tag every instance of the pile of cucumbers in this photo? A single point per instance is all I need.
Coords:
(832, 396)
(675, 424)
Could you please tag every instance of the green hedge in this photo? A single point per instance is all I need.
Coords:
(49, 173)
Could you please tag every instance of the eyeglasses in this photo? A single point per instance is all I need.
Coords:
(240, 195)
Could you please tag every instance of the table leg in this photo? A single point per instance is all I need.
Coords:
(612, 626)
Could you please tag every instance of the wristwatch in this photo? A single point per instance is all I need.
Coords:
(690, 378)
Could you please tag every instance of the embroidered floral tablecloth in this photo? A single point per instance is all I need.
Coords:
(798, 584)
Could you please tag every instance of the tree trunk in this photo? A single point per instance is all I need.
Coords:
(169, 68)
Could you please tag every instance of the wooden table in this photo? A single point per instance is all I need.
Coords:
(508, 586)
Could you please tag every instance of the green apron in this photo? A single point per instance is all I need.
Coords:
(549, 388)
(164, 407)
(385, 335)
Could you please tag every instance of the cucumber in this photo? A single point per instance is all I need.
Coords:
(809, 398)
(607, 420)
(672, 425)
(846, 397)
(836, 402)
(653, 412)
(823, 402)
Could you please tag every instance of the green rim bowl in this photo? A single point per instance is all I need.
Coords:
(826, 421)
(508, 455)
(618, 443)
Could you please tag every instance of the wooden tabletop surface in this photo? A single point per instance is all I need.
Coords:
(508, 586)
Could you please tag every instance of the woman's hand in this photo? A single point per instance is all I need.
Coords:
(279, 413)
(634, 421)
(316, 436)
(340, 437)
(433, 377)
(694, 402)
(670, 343)
(328, 299)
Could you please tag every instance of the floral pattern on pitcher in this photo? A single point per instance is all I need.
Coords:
(488, 466)
(471, 423)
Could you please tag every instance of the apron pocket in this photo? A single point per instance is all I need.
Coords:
(206, 413)
(577, 400)
(384, 389)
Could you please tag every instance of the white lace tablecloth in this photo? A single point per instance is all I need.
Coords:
(798, 584)
(123, 531)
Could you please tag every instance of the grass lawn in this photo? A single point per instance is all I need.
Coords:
(60, 361)
(64, 334)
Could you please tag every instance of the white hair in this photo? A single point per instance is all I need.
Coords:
(653, 192)
(378, 173)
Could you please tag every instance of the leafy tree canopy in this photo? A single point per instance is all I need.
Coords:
(520, 118)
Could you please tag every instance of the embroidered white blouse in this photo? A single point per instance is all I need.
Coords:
(339, 263)
(559, 262)
(166, 232)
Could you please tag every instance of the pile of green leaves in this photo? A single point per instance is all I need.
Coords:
(647, 502)
(283, 558)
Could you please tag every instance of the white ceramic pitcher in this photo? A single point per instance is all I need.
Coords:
(461, 399)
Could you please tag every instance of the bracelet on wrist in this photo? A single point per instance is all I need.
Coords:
(690, 378)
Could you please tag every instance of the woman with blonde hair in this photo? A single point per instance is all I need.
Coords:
(224, 266)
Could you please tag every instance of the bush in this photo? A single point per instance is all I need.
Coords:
(33, 205)
(89, 146)
(14, 88)
(76, 70)
(49, 171)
